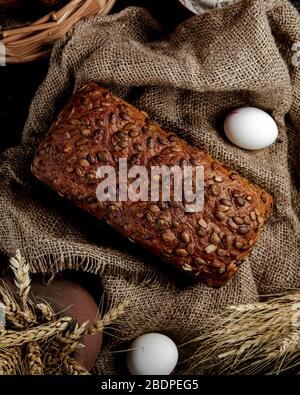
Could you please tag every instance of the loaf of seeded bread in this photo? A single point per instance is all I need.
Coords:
(97, 128)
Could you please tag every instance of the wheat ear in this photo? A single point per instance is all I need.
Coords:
(66, 344)
(10, 361)
(108, 318)
(40, 332)
(34, 361)
(46, 310)
(74, 368)
(259, 338)
(73, 335)
(13, 312)
(21, 276)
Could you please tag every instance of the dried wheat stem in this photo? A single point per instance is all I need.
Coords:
(13, 312)
(47, 312)
(74, 335)
(259, 338)
(74, 368)
(40, 332)
(51, 355)
(7, 367)
(66, 344)
(48, 346)
(65, 351)
(107, 319)
(34, 361)
(59, 354)
(10, 361)
(287, 345)
(57, 335)
(22, 279)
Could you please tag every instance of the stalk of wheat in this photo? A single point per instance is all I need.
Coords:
(259, 338)
(254, 338)
(35, 340)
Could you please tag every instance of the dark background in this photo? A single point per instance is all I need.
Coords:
(18, 83)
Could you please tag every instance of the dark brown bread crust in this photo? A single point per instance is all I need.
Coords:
(96, 128)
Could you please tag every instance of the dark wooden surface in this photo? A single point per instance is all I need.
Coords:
(18, 83)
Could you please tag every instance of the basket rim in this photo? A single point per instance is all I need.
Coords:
(34, 41)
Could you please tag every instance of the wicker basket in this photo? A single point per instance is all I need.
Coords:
(33, 42)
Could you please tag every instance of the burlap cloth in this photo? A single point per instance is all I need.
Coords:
(187, 80)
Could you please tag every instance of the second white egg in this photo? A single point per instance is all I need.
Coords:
(250, 128)
(152, 354)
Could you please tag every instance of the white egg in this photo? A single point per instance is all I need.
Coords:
(250, 128)
(152, 354)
